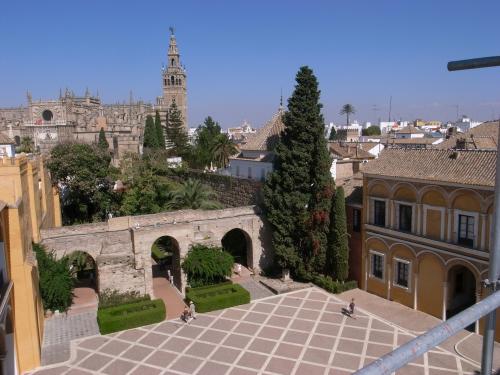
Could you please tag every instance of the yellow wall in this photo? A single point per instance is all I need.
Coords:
(433, 230)
(25, 186)
(430, 285)
(398, 294)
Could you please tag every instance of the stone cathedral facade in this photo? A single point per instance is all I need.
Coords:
(79, 118)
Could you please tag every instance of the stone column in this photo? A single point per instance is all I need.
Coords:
(478, 298)
(419, 216)
(445, 297)
(388, 265)
(367, 269)
(449, 231)
(391, 223)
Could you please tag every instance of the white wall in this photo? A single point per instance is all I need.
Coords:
(255, 170)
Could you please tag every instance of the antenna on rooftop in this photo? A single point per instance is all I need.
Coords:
(390, 108)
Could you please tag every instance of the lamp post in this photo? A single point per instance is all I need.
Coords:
(494, 269)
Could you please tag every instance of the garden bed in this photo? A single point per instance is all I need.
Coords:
(130, 315)
(219, 296)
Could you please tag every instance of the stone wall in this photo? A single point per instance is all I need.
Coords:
(230, 191)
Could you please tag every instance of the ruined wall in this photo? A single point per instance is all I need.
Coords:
(230, 191)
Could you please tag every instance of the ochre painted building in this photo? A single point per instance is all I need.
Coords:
(28, 203)
(427, 221)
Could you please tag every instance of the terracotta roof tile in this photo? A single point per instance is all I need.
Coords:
(350, 151)
(266, 138)
(482, 137)
(468, 167)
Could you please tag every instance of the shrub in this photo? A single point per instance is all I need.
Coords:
(112, 297)
(55, 279)
(207, 265)
(216, 297)
(131, 315)
(333, 286)
(158, 255)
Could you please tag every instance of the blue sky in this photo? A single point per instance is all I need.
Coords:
(240, 54)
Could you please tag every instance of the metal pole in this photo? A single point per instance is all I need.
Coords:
(413, 349)
(489, 329)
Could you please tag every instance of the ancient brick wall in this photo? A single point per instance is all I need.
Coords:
(230, 191)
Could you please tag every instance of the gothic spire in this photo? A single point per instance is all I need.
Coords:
(172, 48)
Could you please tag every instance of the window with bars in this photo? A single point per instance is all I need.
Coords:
(405, 214)
(466, 230)
(402, 273)
(379, 213)
(377, 265)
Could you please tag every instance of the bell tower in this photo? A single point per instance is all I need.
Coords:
(174, 80)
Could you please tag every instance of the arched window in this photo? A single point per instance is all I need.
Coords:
(172, 62)
(164, 82)
(180, 82)
(172, 80)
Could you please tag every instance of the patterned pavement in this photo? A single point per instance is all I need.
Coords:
(302, 332)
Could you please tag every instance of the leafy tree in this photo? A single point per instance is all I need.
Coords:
(371, 130)
(102, 143)
(55, 278)
(80, 171)
(207, 265)
(193, 194)
(338, 247)
(222, 149)
(297, 194)
(202, 152)
(160, 136)
(27, 145)
(333, 134)
(150, 133)
(347, 109)
(176, 132)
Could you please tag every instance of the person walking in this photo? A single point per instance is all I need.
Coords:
(351, 307)
(192, 309)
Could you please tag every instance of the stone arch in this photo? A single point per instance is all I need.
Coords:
(450, 263)
(377, 243)
(165, 253)
(239, 243)
(461, 199)
(433, 195)
(431, 277)
(404, 191)
(85, 269)
(379, 188)
(400, 248)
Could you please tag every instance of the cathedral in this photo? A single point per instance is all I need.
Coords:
(80, 118)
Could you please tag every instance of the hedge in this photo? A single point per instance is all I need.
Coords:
(216, 297)
(131, 315)
(332, 286)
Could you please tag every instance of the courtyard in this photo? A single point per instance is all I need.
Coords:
(302, 332)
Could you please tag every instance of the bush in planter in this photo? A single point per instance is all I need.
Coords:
(216, 297)
(207, 265)
(332, 286)
(131, 315)
(55, 279)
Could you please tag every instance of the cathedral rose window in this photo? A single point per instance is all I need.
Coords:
(47, 115)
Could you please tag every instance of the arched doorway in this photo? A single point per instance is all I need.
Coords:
(238, 243)
(84, 270)
(166, 259)
(461, 291)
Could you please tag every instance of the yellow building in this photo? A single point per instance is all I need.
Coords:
(28, 203)
(427, 226)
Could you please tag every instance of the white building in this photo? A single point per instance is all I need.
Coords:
(255, 160)
(410, 132)
(7, 146)
(240, 131)
(465, 124)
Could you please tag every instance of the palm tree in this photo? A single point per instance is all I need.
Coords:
(222, 149)
(193, 194)
(347, 109)
(27, 145)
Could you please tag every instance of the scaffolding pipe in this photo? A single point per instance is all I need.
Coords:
(483, 62)
(423, 343)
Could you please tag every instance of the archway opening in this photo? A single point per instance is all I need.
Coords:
(238, 244)
(166, 259)
(462, 291)
(84, 270)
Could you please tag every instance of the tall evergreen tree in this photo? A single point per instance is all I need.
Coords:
(297, 194)
(102, 143)
(337, 258)
(160, 136)
(150, 134)
(176, 133)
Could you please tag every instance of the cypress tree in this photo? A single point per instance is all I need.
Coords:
(102, 143)
(337, 264)
(160, 136)
(150, 134)
(176, 133)
(297, 194)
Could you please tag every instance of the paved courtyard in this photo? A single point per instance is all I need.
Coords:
(302, 332)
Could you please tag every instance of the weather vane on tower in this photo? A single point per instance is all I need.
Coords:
(171, 30)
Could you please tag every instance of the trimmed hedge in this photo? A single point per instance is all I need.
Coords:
(216, 297)
(332, 286)
(131, 315)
